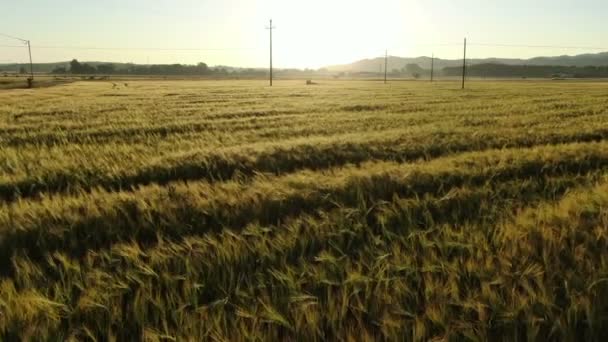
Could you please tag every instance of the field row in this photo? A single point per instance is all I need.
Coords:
(79, 223)
(334, 270)
(340, 211)
(116, 173)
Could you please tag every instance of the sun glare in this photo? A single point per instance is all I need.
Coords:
(317, 33)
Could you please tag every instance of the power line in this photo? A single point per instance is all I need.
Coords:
(563, 47)
(541, 46)
(425, 45)
(130, 49)
(252, 48)
(255, 48)
(12, 37)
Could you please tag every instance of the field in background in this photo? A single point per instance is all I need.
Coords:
(345, 210)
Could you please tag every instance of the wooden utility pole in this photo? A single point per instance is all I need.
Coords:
(270, 28)
(432, 67)
(464, 63)
(385, 64)
(29, 48)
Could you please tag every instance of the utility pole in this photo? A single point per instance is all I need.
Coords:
(270, 28)
(385, 64)
(432, 66)
(29, 49)
(464, 63)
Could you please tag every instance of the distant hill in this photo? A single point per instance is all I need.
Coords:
(369, 65)
(394, 62)
(597, 59)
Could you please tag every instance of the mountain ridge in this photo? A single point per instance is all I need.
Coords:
(374, 65)
(396, 62)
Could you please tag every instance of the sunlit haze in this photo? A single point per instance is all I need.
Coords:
(309, 34)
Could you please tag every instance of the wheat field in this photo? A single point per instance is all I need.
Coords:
(228, 210)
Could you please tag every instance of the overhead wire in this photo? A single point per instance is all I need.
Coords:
(12, 37)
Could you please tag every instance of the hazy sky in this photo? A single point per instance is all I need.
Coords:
(310, 33)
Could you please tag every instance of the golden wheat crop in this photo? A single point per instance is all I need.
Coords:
(227, 210)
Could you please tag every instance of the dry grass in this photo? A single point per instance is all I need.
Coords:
(183, 210)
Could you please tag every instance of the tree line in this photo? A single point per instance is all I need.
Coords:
(487, 70)
(532, 71)
(78, 68)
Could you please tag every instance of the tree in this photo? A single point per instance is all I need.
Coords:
(81, 68)
(414, 69)
(75, 67)
(22, 70)
(59, 70)
(88, 69)
(202, 68)
(106, 68)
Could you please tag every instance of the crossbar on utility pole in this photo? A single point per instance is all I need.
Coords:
(464, 63)
(270, 28)
(385, 64)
